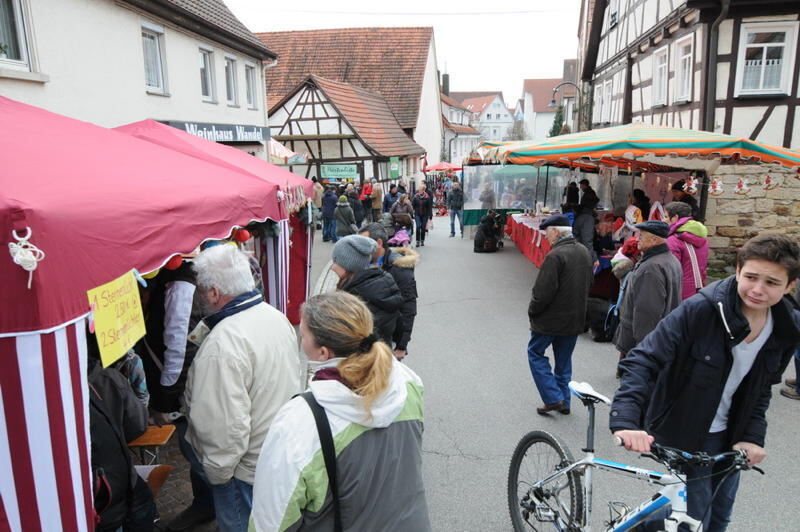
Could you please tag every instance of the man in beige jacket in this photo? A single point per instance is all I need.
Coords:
(247, 367)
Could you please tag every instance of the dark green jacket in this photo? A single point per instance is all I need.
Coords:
(561, 292)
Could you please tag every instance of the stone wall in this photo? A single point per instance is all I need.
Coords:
(732, 218)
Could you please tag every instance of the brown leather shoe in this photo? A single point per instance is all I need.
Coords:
(791, 382)
(546, 409)
(791, 393)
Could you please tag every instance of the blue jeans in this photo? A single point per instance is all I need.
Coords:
(422, 224)
(453, 215)
(700, 488)
(552, 388)
(232, 501)
(329, 229)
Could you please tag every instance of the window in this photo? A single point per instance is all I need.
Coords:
(660, 76)
(766, 58)
(13, 45)
(207, 85)
(598, 103)
(251, 81)
(608, 91)
(613, 13)
(153, 48)
(231, 89)
(684, 69)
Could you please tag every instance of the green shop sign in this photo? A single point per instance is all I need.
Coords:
(394, 167)
(339, 171)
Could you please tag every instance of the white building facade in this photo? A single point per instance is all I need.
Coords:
(490, 116)
(460, 138)
(191, 64)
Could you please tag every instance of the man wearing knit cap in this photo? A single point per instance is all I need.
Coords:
(557, 313)
(653, 287)
(352, 258)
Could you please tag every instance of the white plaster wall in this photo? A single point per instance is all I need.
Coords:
(544, 121)
(529, 115)
(796, 131)
(745, 120)
(92, 52)
(429, 131)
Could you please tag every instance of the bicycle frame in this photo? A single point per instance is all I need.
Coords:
(672, 493)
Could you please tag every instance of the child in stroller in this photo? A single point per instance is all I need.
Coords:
(489, 237)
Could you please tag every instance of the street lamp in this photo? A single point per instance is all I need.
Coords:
(553, 104)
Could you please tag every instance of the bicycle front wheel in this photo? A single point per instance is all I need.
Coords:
(538, 455)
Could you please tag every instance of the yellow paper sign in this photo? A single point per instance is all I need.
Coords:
(118, 317)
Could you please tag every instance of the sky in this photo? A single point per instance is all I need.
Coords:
(482, 45)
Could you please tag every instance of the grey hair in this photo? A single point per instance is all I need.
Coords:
(562, 229)
(225, 268)
(679, 208)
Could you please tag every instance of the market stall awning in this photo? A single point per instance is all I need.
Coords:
(98, 203)
(280, 154)
(220, 154)
(652, 147)
(442, 167)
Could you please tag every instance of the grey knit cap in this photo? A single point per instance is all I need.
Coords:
(354, 252)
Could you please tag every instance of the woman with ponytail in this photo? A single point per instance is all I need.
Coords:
(374, 408)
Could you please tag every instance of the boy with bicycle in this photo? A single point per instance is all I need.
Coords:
(701, 381)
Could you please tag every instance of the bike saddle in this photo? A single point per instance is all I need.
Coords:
(584, 390)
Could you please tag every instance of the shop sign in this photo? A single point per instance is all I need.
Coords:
(223, 132)
(394, 167)
(116, 316)
(339, 171)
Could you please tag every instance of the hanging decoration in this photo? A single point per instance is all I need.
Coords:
(174, 263)
(25, 254)
(241, 235)
(770, 183)
(690, 187)
(715, 188)
(742, 188)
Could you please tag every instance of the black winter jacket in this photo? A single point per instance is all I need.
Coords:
(423, 205)
(455, 199)
(673, 381)
(400, 263)
(357, 206)
(558, 302)
(379, 291)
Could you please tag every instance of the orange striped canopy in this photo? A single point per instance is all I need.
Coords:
(639, 141)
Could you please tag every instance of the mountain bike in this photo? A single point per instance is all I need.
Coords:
(549, 490)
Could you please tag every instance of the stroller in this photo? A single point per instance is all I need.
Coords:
(489, 237)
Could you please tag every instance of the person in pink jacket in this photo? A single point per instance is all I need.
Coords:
(688, 241)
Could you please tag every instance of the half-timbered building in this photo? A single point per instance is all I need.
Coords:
(728, 66)
(348, 132)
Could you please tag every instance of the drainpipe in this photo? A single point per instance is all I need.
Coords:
(450, 148)
(711, 86)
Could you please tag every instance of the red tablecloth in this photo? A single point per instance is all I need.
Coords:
(524, 231)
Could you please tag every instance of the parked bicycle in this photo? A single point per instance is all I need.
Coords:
(549, 490)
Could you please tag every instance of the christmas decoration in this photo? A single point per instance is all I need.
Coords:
(742, 188)
(770, 183)
(715, 188)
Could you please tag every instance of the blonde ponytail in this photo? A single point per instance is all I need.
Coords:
(343, 323)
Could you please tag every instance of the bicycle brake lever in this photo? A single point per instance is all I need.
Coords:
(756, 468)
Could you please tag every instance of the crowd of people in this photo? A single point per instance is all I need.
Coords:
(346, 208)
(697, 360)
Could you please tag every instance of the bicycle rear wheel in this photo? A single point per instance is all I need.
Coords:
(537, 455)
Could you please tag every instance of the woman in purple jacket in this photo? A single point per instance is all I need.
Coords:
(688, 241)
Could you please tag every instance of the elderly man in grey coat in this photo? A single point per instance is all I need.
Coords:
(652, 288)
(557, 313)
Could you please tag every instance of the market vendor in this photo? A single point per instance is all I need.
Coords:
(584, 219)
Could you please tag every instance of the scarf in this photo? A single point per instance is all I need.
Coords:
(236, 305)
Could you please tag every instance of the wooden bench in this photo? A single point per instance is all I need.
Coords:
(148, 443)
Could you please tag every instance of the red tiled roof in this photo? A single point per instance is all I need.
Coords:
(451, 102)
(461, 96)
(542, 91)
(461, 130)
(388, 61)
(477, 105)
(371, 118)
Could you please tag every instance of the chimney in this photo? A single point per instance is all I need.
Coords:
(446, 84)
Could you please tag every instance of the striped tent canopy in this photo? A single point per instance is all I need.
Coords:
(639, 147)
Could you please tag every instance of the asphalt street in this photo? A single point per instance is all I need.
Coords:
(469, 347)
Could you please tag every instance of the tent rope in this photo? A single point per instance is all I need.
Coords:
(25, 254)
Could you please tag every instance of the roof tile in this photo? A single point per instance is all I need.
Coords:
(542, 91)
(388, 61)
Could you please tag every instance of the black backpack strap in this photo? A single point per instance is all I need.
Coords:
(328, 453)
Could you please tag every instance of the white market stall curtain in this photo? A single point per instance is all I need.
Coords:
(273, 256)
(45, 475)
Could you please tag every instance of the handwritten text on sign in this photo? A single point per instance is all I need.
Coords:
(118, 318)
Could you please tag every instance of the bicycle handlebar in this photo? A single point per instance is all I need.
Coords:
(672, 457)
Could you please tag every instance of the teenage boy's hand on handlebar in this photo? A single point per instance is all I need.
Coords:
(755, 453)
(636, 440)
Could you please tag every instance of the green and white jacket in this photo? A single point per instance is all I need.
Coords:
(379, 461)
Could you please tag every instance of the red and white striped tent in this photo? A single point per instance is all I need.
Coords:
(97, 203)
